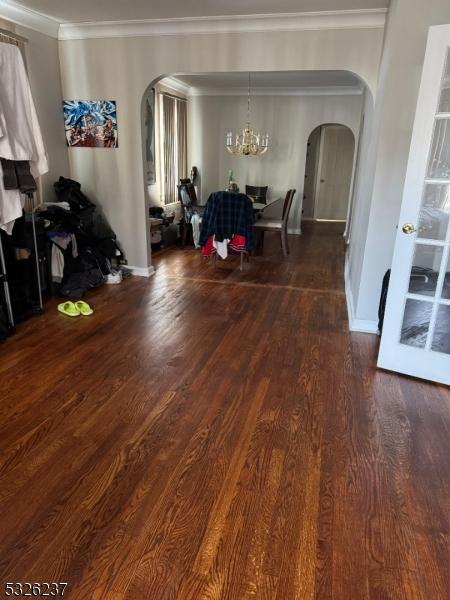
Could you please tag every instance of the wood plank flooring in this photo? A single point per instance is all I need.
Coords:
(210, 434)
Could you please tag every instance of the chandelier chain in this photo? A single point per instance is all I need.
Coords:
(248, 101)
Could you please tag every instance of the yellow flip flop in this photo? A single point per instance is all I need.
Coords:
(69, 309)
(83, 308)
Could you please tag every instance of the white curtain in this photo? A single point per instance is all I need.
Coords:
(173, 145)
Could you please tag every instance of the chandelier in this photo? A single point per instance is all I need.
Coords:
(248, 143)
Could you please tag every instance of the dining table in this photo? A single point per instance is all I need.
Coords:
(260, 206)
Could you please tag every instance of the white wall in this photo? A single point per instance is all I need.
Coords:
(122, 68)
(362, 197)
(378, 209)
(45, 82)
(288, 119)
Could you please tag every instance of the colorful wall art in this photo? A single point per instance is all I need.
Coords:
(91, 123)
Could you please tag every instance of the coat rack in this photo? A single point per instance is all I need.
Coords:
(9, 37)
(30, 208)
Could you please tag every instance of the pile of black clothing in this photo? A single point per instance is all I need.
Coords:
(20, 264)
(83, 245)
(4, 325)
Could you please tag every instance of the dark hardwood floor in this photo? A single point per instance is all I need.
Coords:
(211, 434)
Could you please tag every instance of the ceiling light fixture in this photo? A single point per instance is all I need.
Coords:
(247, 143)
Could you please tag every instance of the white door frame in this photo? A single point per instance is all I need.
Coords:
(355, 173)
(394, 355)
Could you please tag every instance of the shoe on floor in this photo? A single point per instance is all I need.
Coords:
(69, 309)
(84, 308)
(114, 277)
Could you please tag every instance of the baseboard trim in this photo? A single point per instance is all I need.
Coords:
(323, 220)
(364, 326)
(357, 325)
(331, 220)
(142, 271)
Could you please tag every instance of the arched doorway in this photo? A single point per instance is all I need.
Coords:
(326, 114)
(328, 173)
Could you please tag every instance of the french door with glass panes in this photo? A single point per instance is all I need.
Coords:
(416, 332)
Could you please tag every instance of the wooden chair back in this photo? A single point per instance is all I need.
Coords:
(188, 199)
(287, 207)
(187, 194)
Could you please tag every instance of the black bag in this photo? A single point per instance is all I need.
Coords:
(68, 190)
(94, 269)
(78, 283)
(4, 324)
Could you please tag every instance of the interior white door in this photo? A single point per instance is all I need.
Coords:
(416, 333)
(337, 148)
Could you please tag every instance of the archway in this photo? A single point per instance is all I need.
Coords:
(329, 167)
(326, 109)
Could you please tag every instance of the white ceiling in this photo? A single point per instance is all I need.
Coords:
(271, 79)
(80, 11)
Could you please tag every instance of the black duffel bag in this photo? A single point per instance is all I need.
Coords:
(69, 190)
(4, 325)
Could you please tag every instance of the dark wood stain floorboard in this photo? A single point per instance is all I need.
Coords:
(211, 434)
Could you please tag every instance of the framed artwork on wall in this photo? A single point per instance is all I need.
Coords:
(91, 123)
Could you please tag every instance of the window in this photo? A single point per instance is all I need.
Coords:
(173, 145)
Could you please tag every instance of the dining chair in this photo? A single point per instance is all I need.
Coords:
(189, 205)
(259, 193)
(267, 224)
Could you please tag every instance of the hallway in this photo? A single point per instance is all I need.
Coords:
(212, 434)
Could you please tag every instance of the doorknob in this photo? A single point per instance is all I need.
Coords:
(408, 228)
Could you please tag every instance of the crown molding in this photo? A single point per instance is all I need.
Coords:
(175, 84)
(344, 19)
(16, 13)
(280, 91)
